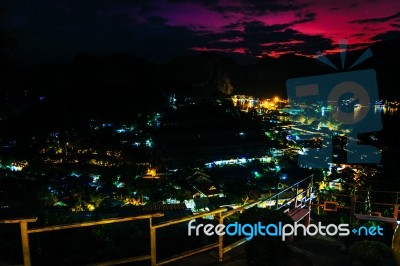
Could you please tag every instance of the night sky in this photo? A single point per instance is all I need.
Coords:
(158, 31)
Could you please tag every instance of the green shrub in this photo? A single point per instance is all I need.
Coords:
(265, 250)
(369, 252)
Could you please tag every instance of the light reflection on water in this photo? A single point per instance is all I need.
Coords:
(386, 110)
(378, 109)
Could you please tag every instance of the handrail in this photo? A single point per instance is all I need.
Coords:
(345, 195)
(295, 184)
(23, 222)
(379, 191)
(90, 223)
(252, 204)
(378, 203)
(242, 208)
(18, 220)
(181, 220)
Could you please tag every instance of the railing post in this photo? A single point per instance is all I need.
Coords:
(308, 196)
(221, 241)
(297, 194)
(396, 210)
(352, 209)
(153, 248)
(25, 243)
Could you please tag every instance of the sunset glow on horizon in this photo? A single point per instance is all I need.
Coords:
(160, 30)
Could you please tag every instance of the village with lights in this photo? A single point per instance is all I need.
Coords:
(198, 155)
(176, 159)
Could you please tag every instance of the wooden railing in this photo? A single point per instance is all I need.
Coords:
(153, 229)
(333, 205)
(23, 223)
(275, 198)
(220, 214)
